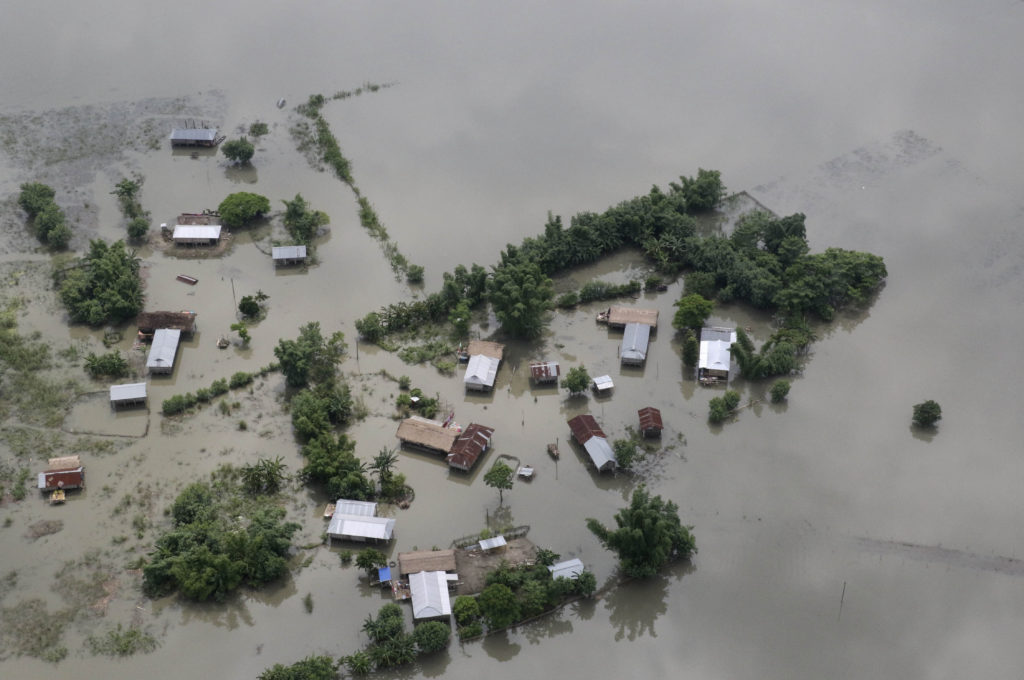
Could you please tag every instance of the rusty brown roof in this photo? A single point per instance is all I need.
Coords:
(62, 479)
(473, 441)
(426, 560)
(427, 433)
(650, 418)
(487, 348)
(544, 370)
(584, 427)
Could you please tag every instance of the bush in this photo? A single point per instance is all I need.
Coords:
(110, 364)
(249, 307)
(566, 300)
(219, 387)
(731, 399)
(240, 379)
(465, 609)
(242, 207)
(431, 636)
(258, 129)
(779, 390)
(238, 150)
(717, 410)
(471, 630)
(175, 405)
(927, 413)
(34, 197)
(414, 273)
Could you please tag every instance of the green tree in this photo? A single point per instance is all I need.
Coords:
(384, 464)
(460, 317)
(625, 453)
(311, 357)
(34, 197)
(585, 583)
(51, 229)
(498, 606)
(110, 364)
(717, 410)
(648, 536)
(243, 332)
(703, 192)
(927, 413)
(238, 150)
(370, 559)
(138, 228)
(249, 307)
(691, 348)
(465, 609)
(265, 476)
(105, 286)
(431, 636)
(358, 663)
(520, 294)
(310, 668)
(499, 477)
(242, 207)
(576, 380)
(779, 390)
(302, 222)
(691, 312)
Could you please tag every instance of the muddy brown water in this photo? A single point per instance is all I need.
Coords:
(835, 540)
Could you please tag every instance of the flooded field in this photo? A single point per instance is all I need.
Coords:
(834, 539)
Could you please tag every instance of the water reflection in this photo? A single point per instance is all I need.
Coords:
(241, 174)
(634, 607)
(547, 627)
(229, 614)
(499, 646)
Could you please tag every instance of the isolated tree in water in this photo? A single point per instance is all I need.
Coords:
(238, 150)
(499, 477)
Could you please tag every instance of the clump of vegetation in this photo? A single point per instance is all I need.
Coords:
(252, 306)
(301, 221)
(45, 215)
(520, 293)
(238, 150)
(691, 348)
(180, 403)
(311, 357)
(30, 630)
(265, 476)
(778, 356)
(258, 129)
(927, 413)
(721, 407)
(576, 380)
(414, 400)
(104, 286)
(648, 536)
(431, 636)
(499, 477)
(120, 641)
(111, 364)
(127, 192)
(691, 312)
(310, 668)
(221, 538)
(779, 391)
(242, 208)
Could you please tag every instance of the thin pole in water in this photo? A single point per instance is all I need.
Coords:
(841, 598)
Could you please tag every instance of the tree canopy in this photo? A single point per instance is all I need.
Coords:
(238, 150)
(311, 357)
(648, 536)
(310, 668)
(499, 477)
(927, 413)
(46, 217)
(520, 294)
(105, 286)
(576, 379)
(303, 222)
(242, 207)
(498, 605)
(703, 192)
(691, 312)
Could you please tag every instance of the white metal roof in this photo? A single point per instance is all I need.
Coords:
(635, 339)
(714, 348)
(194, 134)
(360, 526)
(204, 231)
(567, 569)
(481, 370)
(288, 252)
(130, 392)
(491, 543)
(603, 382)
(165, 346)
(356, 508)
(601, 453)
(429, 591)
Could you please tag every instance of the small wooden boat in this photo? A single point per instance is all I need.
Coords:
(553, 450)
(57, 497)
(329, 511)
(190, 280)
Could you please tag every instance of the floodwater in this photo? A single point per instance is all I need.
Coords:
(835, 540)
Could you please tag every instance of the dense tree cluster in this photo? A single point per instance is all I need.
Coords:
(310, 668)
(576, 380)
(45, 215)
(220, 539)
(127, 192)
(649, 535)
(242, 207)
(311, 357)
(112, 364)
(105, 286)
(301, 221)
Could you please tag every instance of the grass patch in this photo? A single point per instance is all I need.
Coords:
(121, 642)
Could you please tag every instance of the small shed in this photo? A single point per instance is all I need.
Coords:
(495, 543)
(589, 435)
(163, 351)
(469, 446)
(196, 234)
(650, 421)
(481, 372)
(287, 255)
(430, 598)
(426, 560)
(569, 569)
(193, 137)
(132, 394)
(603, 384)
(149, 322)
(715, 353)
(73, 478)
(545, 372)
(618, 317)
(426, 434)
(635, 340)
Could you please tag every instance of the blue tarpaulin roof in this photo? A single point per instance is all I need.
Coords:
(384, 574)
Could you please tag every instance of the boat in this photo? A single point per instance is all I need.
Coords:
(57, 497)
(462, 354)
(185, 278)
(526, 472)
(602, 317)
(553, 450)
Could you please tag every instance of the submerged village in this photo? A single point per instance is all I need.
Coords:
(480, 352)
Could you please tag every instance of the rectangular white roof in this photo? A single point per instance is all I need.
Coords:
(360, 526)
(491, 543)
(204, 231)
(194, 134)
(429, 590)
(603, 382)
(481, 370)
(635, 339)
(288, 252)
(567, 569)
(165, 346)
(714, 348)
(130, 392)
(357, 508)
(601, 453)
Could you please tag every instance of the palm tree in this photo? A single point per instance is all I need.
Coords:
(383, 463)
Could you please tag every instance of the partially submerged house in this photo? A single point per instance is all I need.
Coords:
(494, 543)
(430, 598)
(482, 369)
(149, 322)
(425, 560)
(358, 521)
(635, 339)
(650, 422)
(715, 357)
(543, 372)
(196, 234)
(618, 317)
(288, 255)
(569, 569)
(194, 137)
(589, 435)
(429, 435)
(603, 384)
(65, 472)
(163, 351)
(131, 394)
(469, 446)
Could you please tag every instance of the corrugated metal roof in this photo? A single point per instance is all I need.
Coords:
(355, 508)
(492, 543)
(430, 597)
(193, 134)
(164, 348)
(603, 382)
(635, 339)
(714, 348)
(360, 526)
(288, 252)
(129, 392)
(567, 569)
(601, 453)
(650, 418)
(61, 479)
(481, 371)
(469, 446)
(544, 370)
(584, 427)
(201, 231)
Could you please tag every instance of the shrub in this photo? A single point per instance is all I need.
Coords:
(34, 197)
(238, 150)
(471, 630)
(258, 129)
(175, 405)
(566, 300)
(138, 227)
(927, 413)
(110, 364)
(465, 609)
(414, 273)
(240, 379)
(779, 390)
(219, 387)
(731, 399)
(431, 636)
